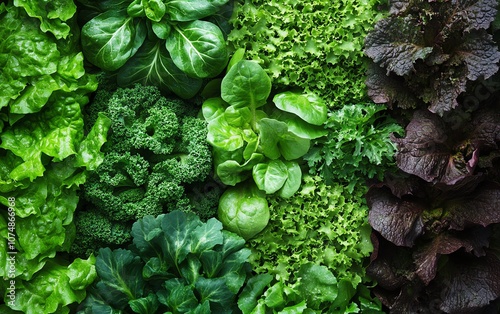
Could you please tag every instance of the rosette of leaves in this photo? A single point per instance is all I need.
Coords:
(176, 264)
(169, 44)
(254, 138)
(426, 52)
(257, 140)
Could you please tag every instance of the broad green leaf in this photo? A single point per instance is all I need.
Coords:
(270, 132)
(136, 9)
(317, 284)
(192, 10)
(271, 176)
(152, 65)
(41, 235)
(244, 210)
(293, 147)
(308, 107)
(177, 227)
(214, 290)
(81, 273)
(145, 231)
(154, 9)
(198, 48)
(191, 269)
(203, 308)
(232, 243)
(145, 305)
(253, 290)
(274, 296)
(111, 38)
(246, 85)
(50, 290)
(293, 181)
(206, 236)
(34, 96)
(232, 269)
(230, 172)
(300, 127)
(120, 273)
(52, 14)
(237, 56)
(295, 309)
(213, 108)
(155, 268)
(238, 117)
(224, 136)
(178, 296)
(161, 29)
(211, 262)
(89, 153)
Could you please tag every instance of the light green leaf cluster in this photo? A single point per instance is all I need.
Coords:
(53, 288)
(316, 45)
(44, 152)
(357, 147)
(321, 224)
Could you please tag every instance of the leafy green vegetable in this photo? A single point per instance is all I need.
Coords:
(156, 151)
(314, 247)
(249, 135)
(54, 287)
(158, 42)
(317, 46)
(176, 263)
(45, 154)
(244, 210)
(357, 147)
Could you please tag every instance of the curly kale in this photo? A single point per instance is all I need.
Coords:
(156, 151)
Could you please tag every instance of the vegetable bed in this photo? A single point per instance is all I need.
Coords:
(249, 156)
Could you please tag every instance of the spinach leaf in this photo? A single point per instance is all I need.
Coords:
(111, 38)
(198, 48)
(152, 65)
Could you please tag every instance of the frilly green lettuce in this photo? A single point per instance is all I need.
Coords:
(316, 45)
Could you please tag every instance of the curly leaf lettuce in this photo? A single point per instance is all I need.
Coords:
(317, 46)
(321, 225)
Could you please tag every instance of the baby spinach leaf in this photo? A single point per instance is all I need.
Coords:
(193, 10)
(231, 172)
(308, 107)
(198, 48)
(246, 84)
(111, 38)
(271, 132)
(243, 209)
(293, 181)
(270, 176)
(293, 147)
(152, 65)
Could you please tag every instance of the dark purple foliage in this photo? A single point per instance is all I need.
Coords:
(425, 52)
